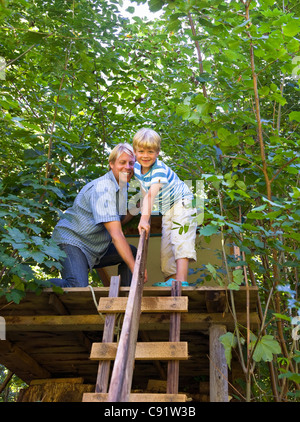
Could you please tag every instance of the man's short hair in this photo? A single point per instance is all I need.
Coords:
(147, 138)
(118, 150)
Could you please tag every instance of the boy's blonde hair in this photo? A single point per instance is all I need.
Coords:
(146, 138)
(118, 150)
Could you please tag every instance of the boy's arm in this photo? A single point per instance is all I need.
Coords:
(147, 206)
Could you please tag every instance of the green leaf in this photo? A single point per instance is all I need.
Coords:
(260, 208)
(266, 347)
(241, 185)
(233, 286)
(223, 134)
(255, 215)
(15, 295)
(208, 230)
(295, 115)
(229, 341)
(181, 87)
(174, 25)
(296, 357)
(183, 110)
(238, 278)
(296, 193)
(16, 235)
(211, 269)
(155, 5)
(264, 91)
(38, 256)
(32, 37)
(292, 28)
(130, 9)
(281, 316)
(291, 376)
(52, 251)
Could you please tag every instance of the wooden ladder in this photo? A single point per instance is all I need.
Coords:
(127, 350)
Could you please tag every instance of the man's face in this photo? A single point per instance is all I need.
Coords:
(122, 168)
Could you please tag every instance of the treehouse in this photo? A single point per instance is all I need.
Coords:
(142, 343)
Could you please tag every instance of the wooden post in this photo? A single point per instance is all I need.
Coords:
(108, 335)
(121, 378)
(218, 371)
(173, 366)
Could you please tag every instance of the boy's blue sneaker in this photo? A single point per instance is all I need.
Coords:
(168, 283)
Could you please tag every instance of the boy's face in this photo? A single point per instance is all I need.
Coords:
(146, 157)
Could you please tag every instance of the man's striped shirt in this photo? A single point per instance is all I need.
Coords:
(98, 202)
(173, 189)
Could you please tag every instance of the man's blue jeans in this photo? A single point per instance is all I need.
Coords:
(75, 267)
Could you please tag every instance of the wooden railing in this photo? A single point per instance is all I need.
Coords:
(121, 378)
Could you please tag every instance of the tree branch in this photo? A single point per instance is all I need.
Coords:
(281, 168)
(198, 52)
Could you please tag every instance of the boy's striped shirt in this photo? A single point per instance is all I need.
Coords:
(173, 189)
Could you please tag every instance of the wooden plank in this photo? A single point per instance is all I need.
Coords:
(137, 397)
(163, 350)
(149, 304)
(218, 373)
(16, 359)
(121, 379)
(102, 272)
(108, 336)
(54, 323)
(60, 308)
(58, 323)
(58, 305)
(79, 301)
(78, 380)
(173, 366)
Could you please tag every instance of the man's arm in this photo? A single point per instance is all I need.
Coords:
(114, 228)
(127, 218)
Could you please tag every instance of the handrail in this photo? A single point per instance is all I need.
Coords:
(121, 379)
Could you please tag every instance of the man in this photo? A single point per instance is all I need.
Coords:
(90, 233)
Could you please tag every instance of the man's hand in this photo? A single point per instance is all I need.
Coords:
(145, 276)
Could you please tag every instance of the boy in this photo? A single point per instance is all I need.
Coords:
(175, 202)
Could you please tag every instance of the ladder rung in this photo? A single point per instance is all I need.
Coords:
(137, 397)
(149, 304)
(144, 351)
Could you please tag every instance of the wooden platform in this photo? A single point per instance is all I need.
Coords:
(50, 335)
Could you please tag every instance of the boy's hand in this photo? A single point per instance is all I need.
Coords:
(144, 225)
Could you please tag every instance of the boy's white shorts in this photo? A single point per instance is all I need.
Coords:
(173, 244)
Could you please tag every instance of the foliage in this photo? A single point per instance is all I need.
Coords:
(218, 80)
(12, 384)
